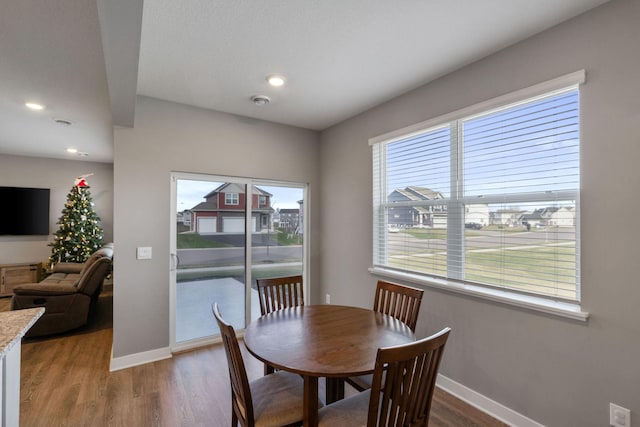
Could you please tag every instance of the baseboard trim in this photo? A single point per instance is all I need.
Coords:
(136, 359)
(483, 403)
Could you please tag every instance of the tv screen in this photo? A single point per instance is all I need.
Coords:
(24, 211)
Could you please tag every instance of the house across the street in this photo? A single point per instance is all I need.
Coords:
(223, 210)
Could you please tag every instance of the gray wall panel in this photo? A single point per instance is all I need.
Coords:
(555, 371)
(172, 137)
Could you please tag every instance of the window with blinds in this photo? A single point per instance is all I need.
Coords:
(489, 198)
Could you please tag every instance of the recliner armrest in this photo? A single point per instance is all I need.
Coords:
(45, 289)
(68, 267)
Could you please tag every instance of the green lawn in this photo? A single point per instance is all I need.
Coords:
(193, 240)
(286, 239)
(548, 270)
(532, 269)
(441, 233)
(505, 229)
(426, 233)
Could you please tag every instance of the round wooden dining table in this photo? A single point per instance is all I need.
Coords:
(329, 341)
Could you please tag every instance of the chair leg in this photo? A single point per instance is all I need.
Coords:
(268, 369)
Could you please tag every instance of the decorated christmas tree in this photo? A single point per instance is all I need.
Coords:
(80, 233)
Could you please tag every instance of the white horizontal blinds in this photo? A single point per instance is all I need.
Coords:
(521, 176)
(540, 258)
(414, 202)
(487, 195)
(379, 217)
(421, 160)
(532, 147)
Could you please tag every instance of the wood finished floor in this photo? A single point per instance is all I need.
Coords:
(66, 382)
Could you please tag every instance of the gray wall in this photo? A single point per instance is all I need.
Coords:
(58, 176)
(555, 371)
(172, 137)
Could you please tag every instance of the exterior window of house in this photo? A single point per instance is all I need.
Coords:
(487, 197)
(231, 199)
(262, 200)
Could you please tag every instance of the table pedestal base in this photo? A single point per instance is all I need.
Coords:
(335, 389)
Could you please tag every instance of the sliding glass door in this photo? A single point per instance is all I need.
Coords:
(277, 249)
(226, 233)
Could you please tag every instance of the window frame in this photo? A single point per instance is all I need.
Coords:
(455, 120)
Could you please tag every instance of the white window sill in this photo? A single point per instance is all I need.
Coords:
(541, 304)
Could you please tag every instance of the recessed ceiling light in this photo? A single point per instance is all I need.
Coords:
(260, 100)
(34, 105)
(72, 150)
(275, 80)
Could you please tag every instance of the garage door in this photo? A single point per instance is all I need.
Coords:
(236, 225)
(206, 225)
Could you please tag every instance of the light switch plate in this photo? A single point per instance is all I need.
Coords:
(143, 252)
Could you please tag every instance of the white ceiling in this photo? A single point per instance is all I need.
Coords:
(51, 52)
(340, 58)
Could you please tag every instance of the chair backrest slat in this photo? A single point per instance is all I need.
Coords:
(404, 380)
(280, 292)
(401, 302)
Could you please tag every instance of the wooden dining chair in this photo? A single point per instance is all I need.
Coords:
(401, 302)
(277, 293)
(403, 383)
(280, 292)
(269, 401)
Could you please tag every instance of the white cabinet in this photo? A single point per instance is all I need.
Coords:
(15, 324)
(10, 394)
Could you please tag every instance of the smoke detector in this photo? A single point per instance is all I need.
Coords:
(260, 100)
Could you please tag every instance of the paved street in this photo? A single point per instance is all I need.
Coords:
(403, 243)
(399, 243)
(232, 256)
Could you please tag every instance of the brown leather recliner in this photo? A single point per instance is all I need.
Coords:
(68, 295)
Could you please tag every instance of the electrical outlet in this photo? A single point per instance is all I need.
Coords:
(327, 299)
(619, 416)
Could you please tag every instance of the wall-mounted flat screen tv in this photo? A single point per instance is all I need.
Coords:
(24, 211)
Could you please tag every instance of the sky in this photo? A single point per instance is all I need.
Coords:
(190, 193)
(530, 147)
